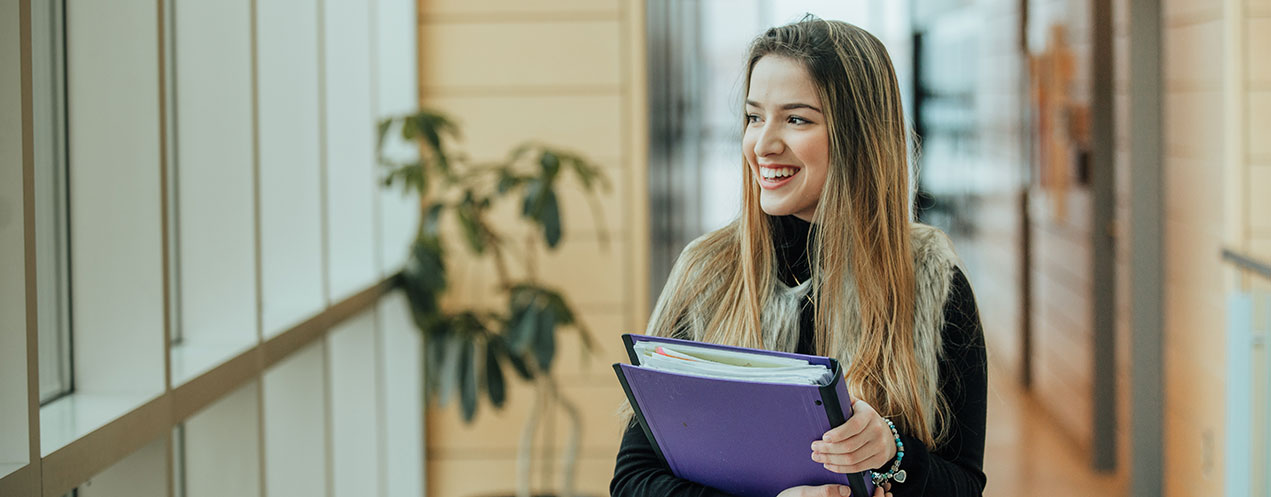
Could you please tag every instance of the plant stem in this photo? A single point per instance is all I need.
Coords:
(524, 451)
(570, 460)
(500, 265)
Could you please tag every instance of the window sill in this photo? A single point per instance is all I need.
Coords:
(189, 360)
(69, 418)
(8, 468)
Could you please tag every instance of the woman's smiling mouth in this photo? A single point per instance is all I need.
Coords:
(772, 177)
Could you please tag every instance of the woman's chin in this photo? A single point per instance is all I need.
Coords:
(775, 208)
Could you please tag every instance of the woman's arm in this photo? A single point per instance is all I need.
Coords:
(639, 472)
(956, 469)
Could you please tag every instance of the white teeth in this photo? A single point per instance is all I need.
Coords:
(776, 172)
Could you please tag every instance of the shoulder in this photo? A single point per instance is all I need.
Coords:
(935, 263)
(709, 246)
(932, 249)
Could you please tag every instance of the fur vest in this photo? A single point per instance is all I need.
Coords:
(934, 261)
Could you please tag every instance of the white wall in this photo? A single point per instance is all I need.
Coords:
(350, 143)
(214, 171)
(400, 350)
(396, 92)
(290, 161)
(144, 473)
(355, 408)
(222, 455)
(117, 281)
(295, 418)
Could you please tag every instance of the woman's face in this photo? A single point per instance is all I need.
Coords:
(786, 143)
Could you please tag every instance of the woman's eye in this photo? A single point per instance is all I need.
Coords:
(752, 118)
(798, 120)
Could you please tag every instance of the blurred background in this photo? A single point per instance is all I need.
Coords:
(205, 281)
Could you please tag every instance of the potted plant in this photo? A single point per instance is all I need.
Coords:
(469, 348)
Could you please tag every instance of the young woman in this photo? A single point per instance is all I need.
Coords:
(824, 259)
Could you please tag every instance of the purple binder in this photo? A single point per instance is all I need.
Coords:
(743, 437)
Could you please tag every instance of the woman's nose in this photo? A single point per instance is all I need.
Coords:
(768, 143)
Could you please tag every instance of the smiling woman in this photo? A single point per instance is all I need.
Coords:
(786, 143)
(825, 259)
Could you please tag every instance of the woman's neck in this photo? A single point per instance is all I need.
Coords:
(790, 239)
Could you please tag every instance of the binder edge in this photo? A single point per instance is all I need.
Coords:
(837, 415)
(639, 414)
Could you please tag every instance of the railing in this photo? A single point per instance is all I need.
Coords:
(1248, 448)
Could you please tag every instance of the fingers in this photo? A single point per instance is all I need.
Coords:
(869, 457)
(854, 468)
(862, 414)
(818, 491)
(852, 444)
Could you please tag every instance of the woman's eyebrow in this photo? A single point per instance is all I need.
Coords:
(790, 106)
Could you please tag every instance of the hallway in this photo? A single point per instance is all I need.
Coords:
(1027, 455)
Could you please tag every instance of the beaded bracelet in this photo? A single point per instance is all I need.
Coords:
(895, 473)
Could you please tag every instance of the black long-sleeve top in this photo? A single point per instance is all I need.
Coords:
(954, 469)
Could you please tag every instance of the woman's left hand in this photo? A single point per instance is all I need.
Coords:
(864, 442)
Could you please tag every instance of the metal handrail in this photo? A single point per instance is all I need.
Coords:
(1247, 263)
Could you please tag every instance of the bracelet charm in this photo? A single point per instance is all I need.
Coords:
(895, 473)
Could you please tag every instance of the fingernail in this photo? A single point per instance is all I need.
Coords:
(845, 491)
(816, 446)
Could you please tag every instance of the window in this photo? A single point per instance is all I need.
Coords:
(48, 44)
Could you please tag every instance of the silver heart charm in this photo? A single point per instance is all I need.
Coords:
(900, 476)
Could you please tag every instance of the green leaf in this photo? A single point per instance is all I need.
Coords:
(410, 128)
(470, 222)
(524, 329)
(468, 378)
(549, 218)
(426, 267)
(556, 302)
(432, 219)
(450, 368)
(494, 382)
(381, 133)
(545, 339)
(508, 180)
(518, 363)
(410, 175)
(436, 349)
(533, 194)
(550, 164)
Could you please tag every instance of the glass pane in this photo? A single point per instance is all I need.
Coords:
(52, 222)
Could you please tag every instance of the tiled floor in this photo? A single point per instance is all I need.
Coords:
(1026, 455)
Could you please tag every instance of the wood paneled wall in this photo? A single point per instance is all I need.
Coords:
(1217, 95)
(569, 73)
(1062, 347)
(1257, 119)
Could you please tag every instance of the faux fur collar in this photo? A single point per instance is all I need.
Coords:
(934, 261)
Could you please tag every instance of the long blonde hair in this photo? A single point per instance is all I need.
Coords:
(862, 236)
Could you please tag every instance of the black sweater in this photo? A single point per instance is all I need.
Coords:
(954, 469)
